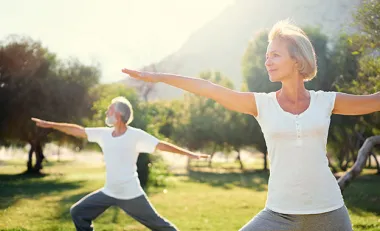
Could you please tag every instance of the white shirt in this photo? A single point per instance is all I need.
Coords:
(120, 157)
(300, 180)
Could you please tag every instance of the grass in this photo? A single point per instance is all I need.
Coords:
(214, 200)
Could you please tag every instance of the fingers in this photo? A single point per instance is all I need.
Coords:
(125, 70)
(40, 123)
(129, 72)
(35, 119)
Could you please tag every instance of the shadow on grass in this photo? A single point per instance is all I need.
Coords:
(26, 185)
(15, 229)
(256, 180)
(363, 195)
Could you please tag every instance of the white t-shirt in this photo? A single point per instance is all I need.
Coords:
(120, 157)
(300, 181)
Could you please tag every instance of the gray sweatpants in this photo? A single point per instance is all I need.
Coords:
(268, 220)
(91, 206)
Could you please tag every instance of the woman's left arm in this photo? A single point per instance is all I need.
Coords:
(347, 104)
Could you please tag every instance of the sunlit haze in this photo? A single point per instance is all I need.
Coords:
(118, 33)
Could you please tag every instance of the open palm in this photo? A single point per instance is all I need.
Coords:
(42, 123)
(141, 75)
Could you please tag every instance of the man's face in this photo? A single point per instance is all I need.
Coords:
(111, 116)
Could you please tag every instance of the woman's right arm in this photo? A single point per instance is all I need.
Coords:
(243, 102)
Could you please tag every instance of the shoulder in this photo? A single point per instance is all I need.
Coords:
(136, 131)
(142, 135)
(263, 94)
(97, 129)
(133, 129)
(325, 99)
(324, 96)
(321, 93)
(261, 97)
(263, 102)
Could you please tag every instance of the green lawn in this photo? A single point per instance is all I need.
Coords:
(217, 200)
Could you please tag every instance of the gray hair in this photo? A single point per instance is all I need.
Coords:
(299, 46)
(124, 107)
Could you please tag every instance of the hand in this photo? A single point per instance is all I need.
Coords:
(42, 123)
(199, 156)
(142, 75)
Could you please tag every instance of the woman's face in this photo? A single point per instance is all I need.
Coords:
(279, 64)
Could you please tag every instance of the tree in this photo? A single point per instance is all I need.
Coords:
(357, 63)
(363, 155)
(201, 124)
(35, 84)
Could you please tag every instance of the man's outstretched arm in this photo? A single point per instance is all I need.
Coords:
(70, 129)
(168, 147)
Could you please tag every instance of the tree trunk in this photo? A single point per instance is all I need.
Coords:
(35, 147)
(377, 163)
(333, 169)
(364, 152)
(238, 158)
(30, 158)
(342, 158)
(369, 161)
(39, 157)
(265, 161)
(59, 153)
(211, 156)
(210, 160)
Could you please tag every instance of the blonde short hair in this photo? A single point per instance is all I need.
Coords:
(124, 107)
(299, 47)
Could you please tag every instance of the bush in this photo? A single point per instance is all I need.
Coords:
(152, 171)
(159, 172)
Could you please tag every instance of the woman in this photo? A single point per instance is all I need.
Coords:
(302, 192)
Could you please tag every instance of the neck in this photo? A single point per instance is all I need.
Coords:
(293, 89)
(120, 128)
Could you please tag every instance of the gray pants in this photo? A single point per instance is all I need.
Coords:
(267, 220)
(95, 203)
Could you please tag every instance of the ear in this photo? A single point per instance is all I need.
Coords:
(296, 64)
(118, 116)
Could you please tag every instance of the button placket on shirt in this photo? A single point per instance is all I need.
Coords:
(298, 131)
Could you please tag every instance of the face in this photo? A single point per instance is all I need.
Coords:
(279, 64)
(111, 116)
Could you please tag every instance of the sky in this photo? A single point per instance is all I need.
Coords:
(115, 33)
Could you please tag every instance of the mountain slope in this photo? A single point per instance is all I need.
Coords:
(220, 44)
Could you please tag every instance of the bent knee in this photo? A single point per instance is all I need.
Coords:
(75, 210)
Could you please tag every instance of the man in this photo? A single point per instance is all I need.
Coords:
(121, 145)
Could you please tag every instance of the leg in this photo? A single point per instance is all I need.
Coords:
(142, 210)
(88, 208)
(337, 220)
(268, 220)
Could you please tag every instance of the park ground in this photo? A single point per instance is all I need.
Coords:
(198, 198)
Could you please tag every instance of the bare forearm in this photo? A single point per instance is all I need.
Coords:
(70, 129)
(233, 100)
(197, 86)
(228, 98)
(348, 104)
(168, 147)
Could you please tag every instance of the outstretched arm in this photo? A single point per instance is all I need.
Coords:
(347, 104)
(233, 100)
(168, 147)
(70, 129)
